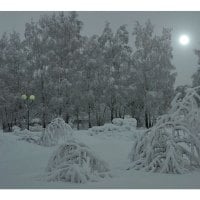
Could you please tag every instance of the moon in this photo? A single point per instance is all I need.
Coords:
(184, 40)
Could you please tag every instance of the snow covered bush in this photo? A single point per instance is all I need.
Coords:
(105, 129)
(16, 129)
(36, 121)
(127, 122)
(27, 135)
(113, 131)
(56, 132)
(95, 130)
(130, 122)
(75, 162)
(172, 145)
(118, 121)
(117, 127)
(36, 128)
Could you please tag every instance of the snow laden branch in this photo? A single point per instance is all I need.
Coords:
(75, 162)
(172, 145)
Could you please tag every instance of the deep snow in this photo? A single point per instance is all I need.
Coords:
(22, 165)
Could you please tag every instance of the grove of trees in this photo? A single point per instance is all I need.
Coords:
(77, 77)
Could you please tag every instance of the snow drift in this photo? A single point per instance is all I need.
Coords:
(57, 132)
(75, 162)
(173, 144)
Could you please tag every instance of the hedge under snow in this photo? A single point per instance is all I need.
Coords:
(57, 132)
(173, 144)
(75, 162)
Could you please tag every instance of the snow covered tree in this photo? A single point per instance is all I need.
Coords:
(75, 77)
(92, 68)
(77, 98)
(76, 163)
(65, 43)
(36, 47)
(196, 75)
(121, 70)
(57, 132)
(153, 74)
(53, 45)
(12, 78)
(116, 55)
(172, 145)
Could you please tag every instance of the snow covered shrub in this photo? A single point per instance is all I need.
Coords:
(27, 135)
(95, 130)
(110, 127)
(36, 121)
(56, 132)
(33, 138)
(118, 121)
(16, 128)
(17, 131)
(36, 128)
(172, 145)
(130, 122)
(113, 131)
(75, 162)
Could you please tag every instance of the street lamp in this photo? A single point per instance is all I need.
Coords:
(28, 102)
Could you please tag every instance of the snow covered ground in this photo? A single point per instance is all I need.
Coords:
(22, 165)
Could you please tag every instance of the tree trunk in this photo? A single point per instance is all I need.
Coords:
(120, 114)
(60, 111)
(111, 114)
(89, 117)
(146, 120)
(124, 112)
(67, 118)
(77, 118)
(43, 104)
(44, 120)
(4, 126)
(28, 118)
(15, 121)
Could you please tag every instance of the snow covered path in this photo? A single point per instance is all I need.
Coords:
(21, 163)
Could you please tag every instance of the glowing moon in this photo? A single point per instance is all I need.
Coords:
(184, 40)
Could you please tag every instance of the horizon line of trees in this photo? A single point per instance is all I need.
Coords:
(74, 76)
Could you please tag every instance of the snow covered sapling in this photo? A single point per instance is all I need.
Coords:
(56, 132)
(75, 162)
(172, 145)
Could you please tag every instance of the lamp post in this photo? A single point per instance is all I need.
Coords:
(28, 102)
